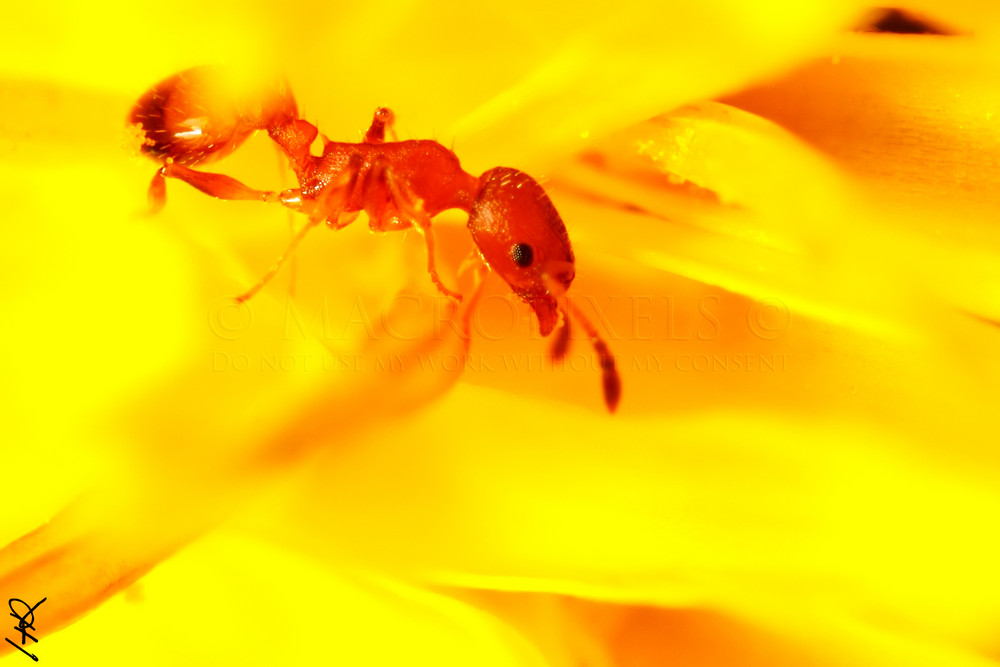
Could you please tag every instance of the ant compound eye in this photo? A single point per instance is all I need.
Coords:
(522, 255)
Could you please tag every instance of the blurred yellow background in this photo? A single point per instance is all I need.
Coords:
(786, 231)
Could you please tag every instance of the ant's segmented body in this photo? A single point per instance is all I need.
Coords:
(398, 184)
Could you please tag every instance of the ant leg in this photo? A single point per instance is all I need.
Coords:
(480, 272)
(327, 206)
(294, 268)
(412, 208)
(424, 228)
(157, 194)
(376, 133)
(216, 185)
(224, 187)
(273, 271)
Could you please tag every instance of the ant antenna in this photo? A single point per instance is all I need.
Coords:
(560, 344)
(612, 381)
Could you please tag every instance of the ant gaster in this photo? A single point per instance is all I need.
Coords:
(183, 122)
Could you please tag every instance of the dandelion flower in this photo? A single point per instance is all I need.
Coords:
(784, 229)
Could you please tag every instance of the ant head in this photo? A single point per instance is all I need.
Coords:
(520, 236)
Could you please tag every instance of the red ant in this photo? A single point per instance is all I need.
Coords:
(184, 122)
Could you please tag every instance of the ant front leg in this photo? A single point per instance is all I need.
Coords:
(479, 274)
(410, 208)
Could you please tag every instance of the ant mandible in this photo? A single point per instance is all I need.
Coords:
(184, 121)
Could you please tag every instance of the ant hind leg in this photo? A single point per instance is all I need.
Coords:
(273, 271)
(157, 194)
(215, 185)
(328, 207)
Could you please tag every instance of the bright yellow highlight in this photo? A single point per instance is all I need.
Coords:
(302, 601)
(786, 232)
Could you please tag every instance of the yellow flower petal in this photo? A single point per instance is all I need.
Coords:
(917, 121)
(778, 456)
(229, 599)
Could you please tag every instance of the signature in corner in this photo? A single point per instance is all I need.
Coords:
(25, 622)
